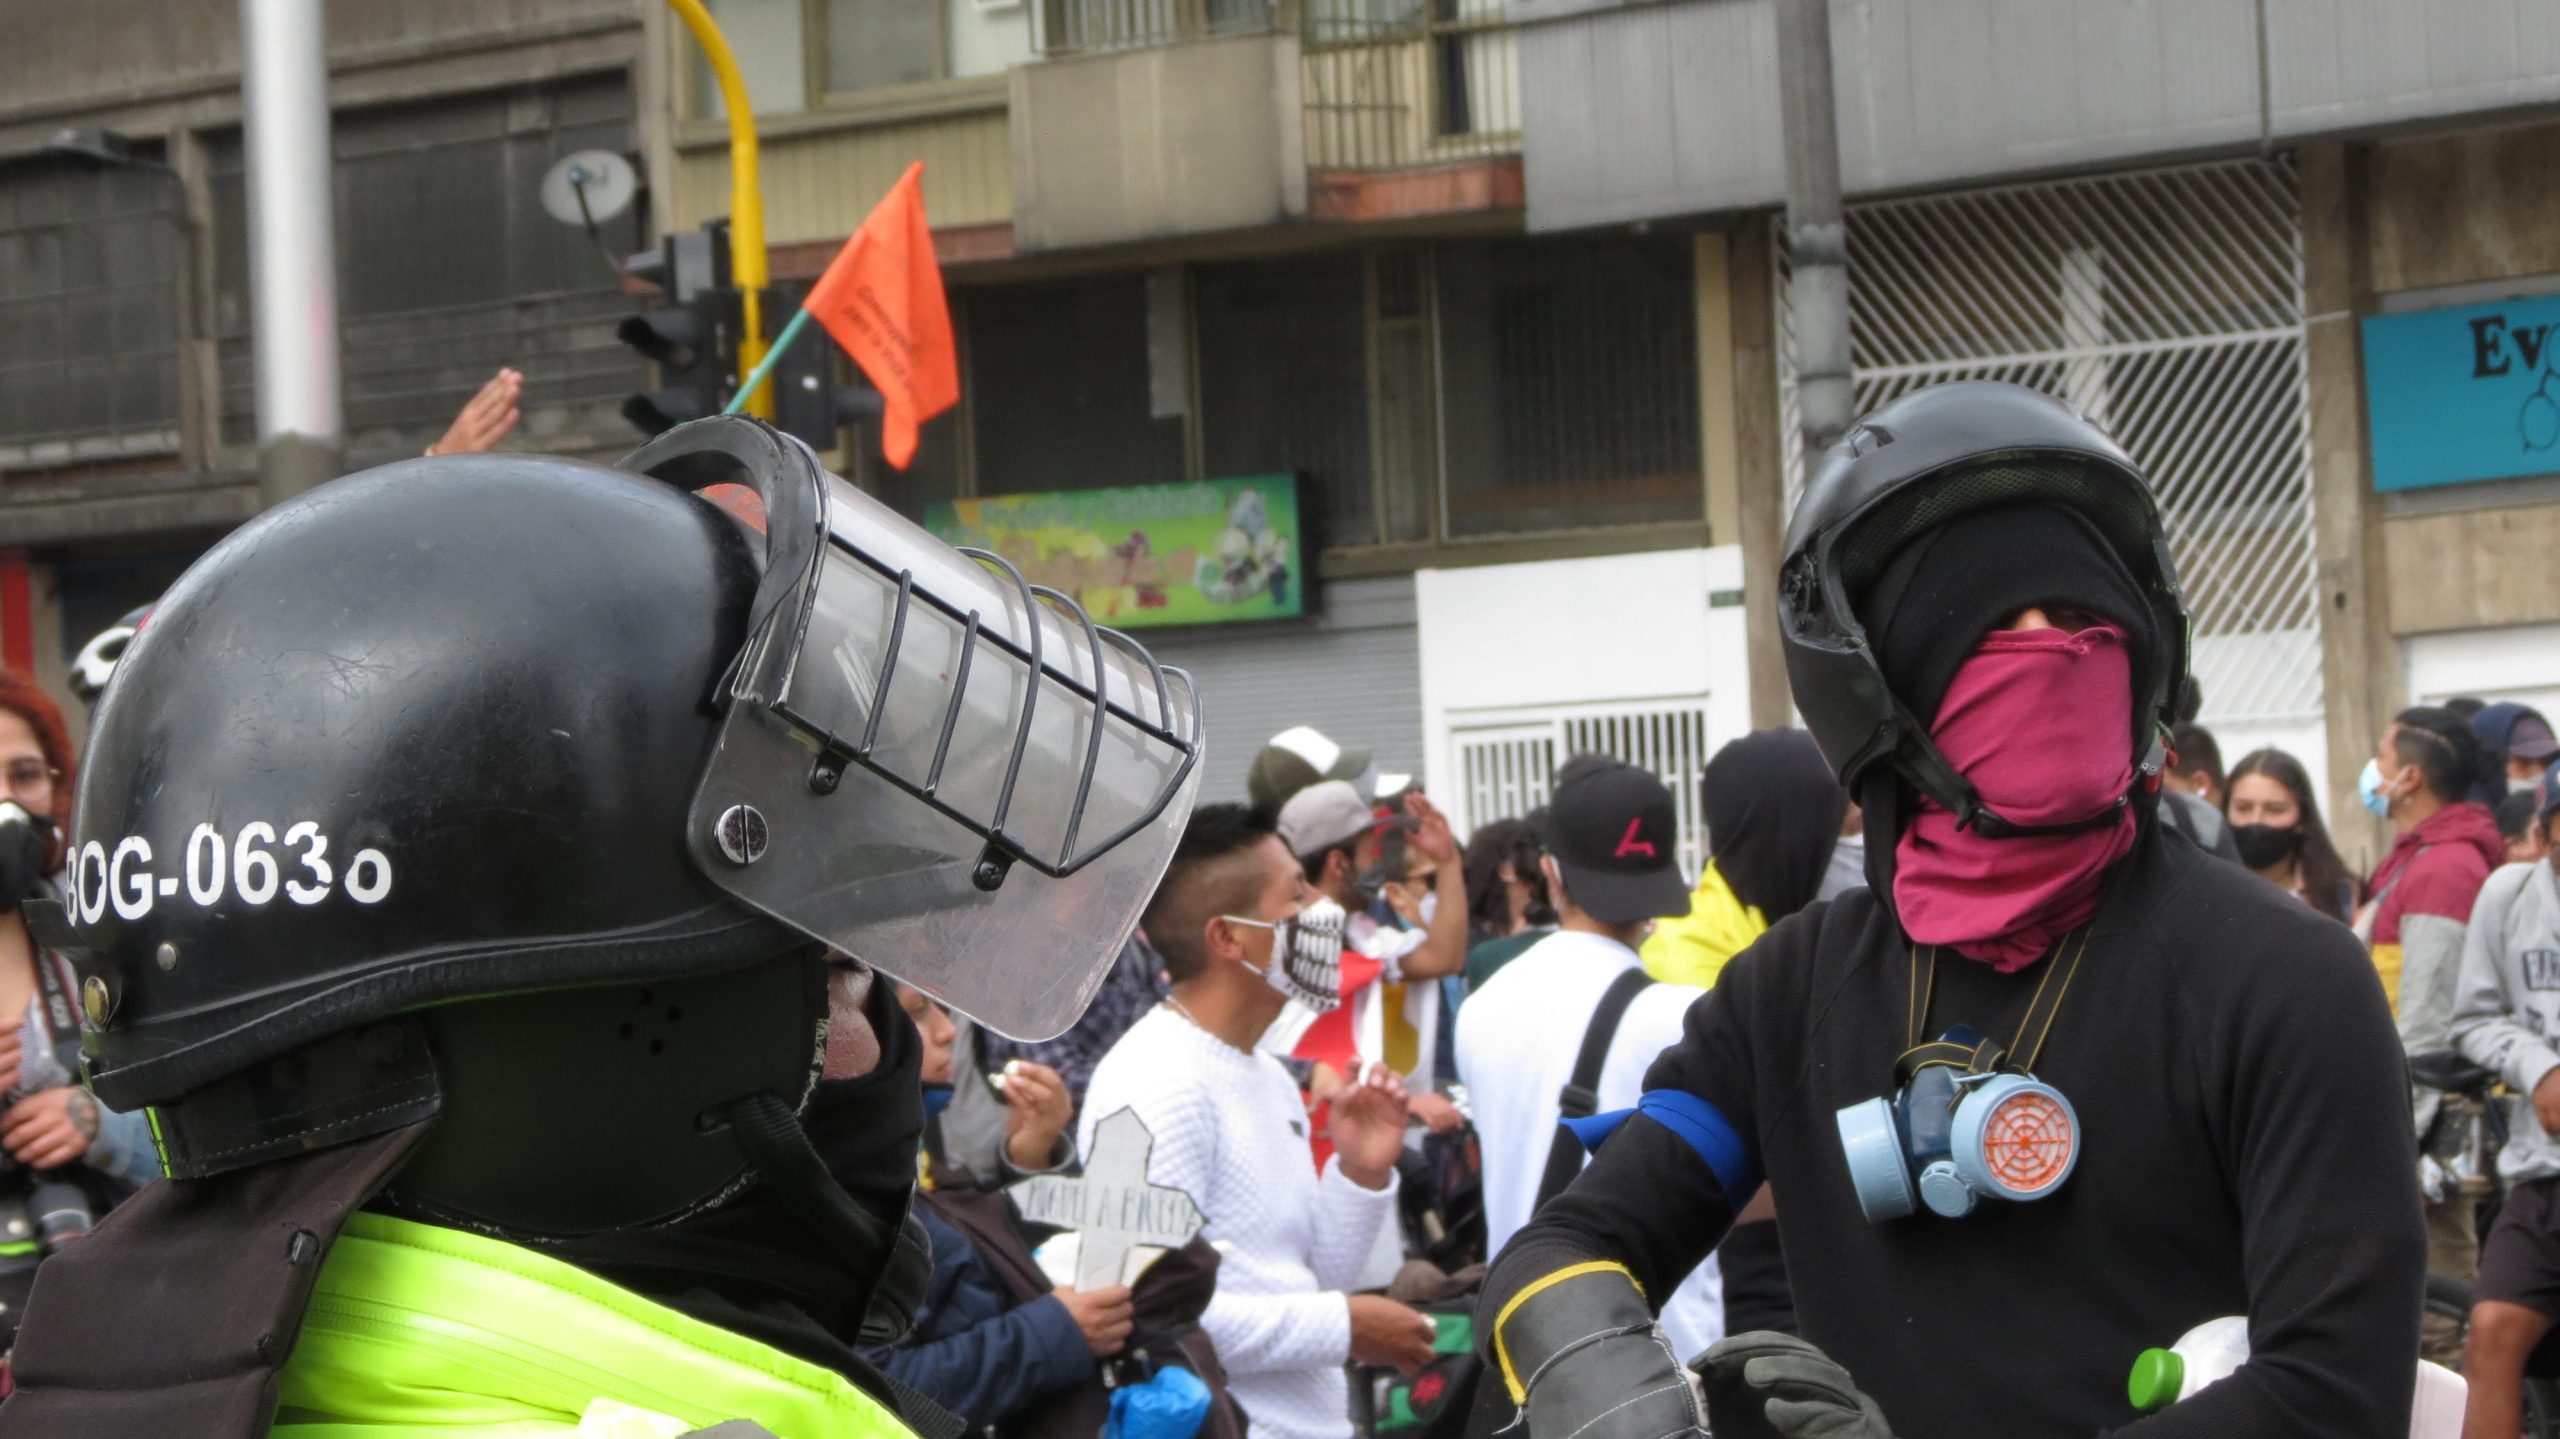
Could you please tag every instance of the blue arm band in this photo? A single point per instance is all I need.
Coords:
(1701, 1124)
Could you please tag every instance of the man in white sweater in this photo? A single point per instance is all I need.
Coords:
(1241, 933)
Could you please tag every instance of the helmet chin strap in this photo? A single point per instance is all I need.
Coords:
(1919, 760)
(899, 1258)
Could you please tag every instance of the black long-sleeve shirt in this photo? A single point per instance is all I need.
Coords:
(2245, 1149)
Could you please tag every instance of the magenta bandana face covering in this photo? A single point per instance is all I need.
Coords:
(2038, 721)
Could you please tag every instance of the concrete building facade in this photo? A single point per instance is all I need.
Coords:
(1497, 283)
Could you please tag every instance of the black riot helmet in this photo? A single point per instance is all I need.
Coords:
(1931, 457)
(531, 797)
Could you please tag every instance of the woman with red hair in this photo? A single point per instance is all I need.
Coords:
(67, 1155)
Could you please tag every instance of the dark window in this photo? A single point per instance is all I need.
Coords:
(1569, 385)
(449, 267)
(89, 310)
(1059, 393)
(1284, 370)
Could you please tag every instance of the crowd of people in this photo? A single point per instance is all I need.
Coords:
(1476, 1126)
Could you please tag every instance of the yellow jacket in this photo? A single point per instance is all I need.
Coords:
(1693, 948)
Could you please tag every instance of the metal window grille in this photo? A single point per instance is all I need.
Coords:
(1283, 382)
(89, 310)
(1393, 83)
(1506, 764)
(2167, 305)
(448, 267)
(1569, 384)
(1082, 27)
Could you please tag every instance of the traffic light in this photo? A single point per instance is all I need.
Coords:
(808, 404)
(692, 339)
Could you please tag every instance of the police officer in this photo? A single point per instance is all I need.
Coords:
(465, 876)
(2055, 1086)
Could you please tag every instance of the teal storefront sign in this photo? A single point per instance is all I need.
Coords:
(2466, 393)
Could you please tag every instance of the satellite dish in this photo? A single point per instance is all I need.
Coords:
(604, 180)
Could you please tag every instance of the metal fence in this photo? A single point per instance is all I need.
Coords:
(2167, 305)
(1391, 84)
(1506, 764)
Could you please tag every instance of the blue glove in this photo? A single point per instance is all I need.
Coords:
(1169, 1406)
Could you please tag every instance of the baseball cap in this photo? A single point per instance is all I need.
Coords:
(1324, 815)
(2531, 738)
(1615, 836)
(1296, 758)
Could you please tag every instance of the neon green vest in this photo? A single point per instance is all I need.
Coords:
(416, 1332)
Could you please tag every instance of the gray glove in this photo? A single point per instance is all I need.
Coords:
(1765, 1383)
(1580, 1352)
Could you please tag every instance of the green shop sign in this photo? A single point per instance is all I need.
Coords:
(1197, 554)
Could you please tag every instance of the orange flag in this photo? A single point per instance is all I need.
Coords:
(881, 298)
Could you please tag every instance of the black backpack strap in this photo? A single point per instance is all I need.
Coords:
(1580, 1097)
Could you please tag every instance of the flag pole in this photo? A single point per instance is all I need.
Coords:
(764, 367)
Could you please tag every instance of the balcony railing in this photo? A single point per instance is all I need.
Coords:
(1089, 27)
(1387, 84)
(1391, 84)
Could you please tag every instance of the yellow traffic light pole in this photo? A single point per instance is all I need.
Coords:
(746, 195)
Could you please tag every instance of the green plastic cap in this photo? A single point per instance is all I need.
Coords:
(2155, 1380)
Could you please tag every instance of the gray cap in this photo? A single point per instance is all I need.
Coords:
(1324, 815)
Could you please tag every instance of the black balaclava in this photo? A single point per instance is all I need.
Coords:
(751, 1265)
(1954, 584)
(1929, 610)
(1773, 813)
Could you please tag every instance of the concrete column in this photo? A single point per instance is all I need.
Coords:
(293, 270)
(1712, 305)
(1760, 472)
(2362, 672)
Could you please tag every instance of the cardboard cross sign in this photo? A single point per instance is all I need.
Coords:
(1111, 1205)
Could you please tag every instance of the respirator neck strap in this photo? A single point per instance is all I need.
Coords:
(1989, 1055)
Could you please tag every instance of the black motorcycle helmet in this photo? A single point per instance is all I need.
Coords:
(481, 789)
(1928, 458)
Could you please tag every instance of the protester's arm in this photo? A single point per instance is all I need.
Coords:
(2333, 1248)
(2430, 961)
(1649, 1199)
(1443, 950)
(992, 1371)
(1568, 1297)
(2438, 894)
(2484, 1027)
(123, 1149)
(486, 418)
(1357, 1192)
(1253, 1332)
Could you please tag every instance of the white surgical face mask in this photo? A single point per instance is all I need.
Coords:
(1306, 954)
(1430, 908)
(2523, 786)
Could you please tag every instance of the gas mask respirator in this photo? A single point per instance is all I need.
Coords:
(1306, 954)
(26, 842)
(1965, 1123)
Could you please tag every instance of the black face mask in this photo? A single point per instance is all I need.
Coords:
(26, 842)
(2263, 846)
